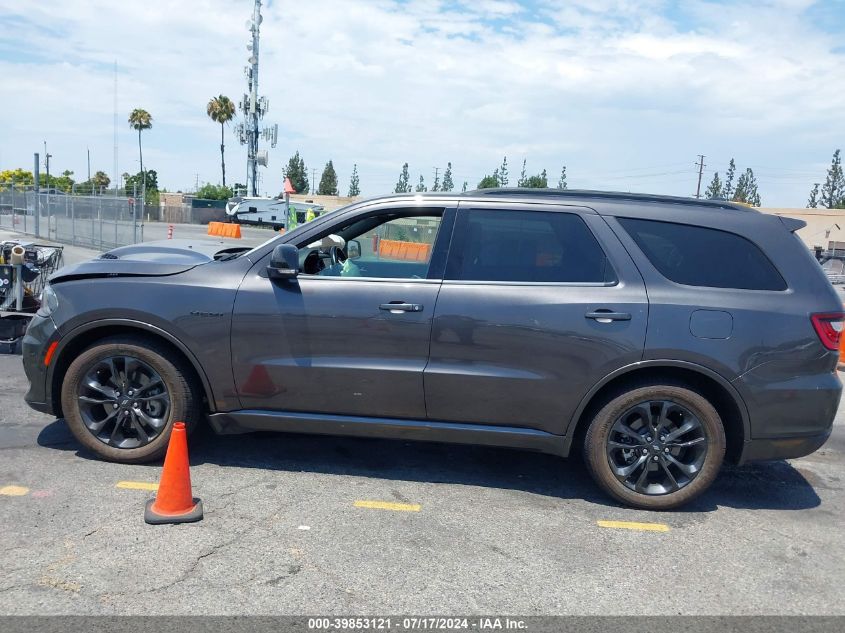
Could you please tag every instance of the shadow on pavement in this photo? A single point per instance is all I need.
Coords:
(765, 485)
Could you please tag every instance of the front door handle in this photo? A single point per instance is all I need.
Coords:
(395, 307)
(603, 315)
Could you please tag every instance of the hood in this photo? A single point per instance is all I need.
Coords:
(167, 257)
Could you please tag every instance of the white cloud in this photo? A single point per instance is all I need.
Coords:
(607, 87)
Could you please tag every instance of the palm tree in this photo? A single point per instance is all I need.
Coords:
(221, 110)
(140, 119)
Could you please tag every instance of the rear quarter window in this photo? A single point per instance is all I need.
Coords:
(700, 256)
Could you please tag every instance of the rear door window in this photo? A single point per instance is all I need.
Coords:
(527, 246)
(700, 256)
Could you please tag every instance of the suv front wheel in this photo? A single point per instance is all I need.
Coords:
(655, 447)
(121, 396)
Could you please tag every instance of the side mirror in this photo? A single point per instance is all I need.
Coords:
(284, 262)
(353, 249)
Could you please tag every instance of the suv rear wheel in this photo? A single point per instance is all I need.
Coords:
(122, 395)
(655, 447)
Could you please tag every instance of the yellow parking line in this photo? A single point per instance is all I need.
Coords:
(13, 491)
(632, 525)
(136, 485)
(388, 505)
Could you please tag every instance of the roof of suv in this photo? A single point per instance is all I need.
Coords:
(573, 195)
(587, 194)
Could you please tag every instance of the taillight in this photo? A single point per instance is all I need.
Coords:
(828, 326)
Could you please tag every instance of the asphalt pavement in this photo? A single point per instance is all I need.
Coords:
(297, 524)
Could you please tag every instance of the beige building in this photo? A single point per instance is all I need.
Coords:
(823, 225)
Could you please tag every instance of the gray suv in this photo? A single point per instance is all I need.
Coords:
(657, 335)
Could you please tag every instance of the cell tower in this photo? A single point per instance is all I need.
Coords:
(254, 108)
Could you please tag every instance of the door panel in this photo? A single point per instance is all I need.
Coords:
(524, 354)
(322, 344)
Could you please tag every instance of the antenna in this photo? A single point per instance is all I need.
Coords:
(254, 108)
(116, 180)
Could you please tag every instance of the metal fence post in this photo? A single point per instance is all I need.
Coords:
(72, 222)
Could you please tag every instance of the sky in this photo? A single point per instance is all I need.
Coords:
(625, 93)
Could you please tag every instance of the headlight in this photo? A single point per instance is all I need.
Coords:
(49, 302)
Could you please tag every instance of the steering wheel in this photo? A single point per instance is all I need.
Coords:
(337, 255)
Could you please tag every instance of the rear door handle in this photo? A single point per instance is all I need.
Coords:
(395, 307)
(606, 316)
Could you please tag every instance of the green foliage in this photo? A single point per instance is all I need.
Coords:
(404, 183)
(137, 180)
(813, 201)
(421, 187)
(447, 185)
(523, 178)
(728, 190)
(746, 189)
(561, 183)
(328, 181)
(16, 176)
(464, 189)
(354, 182)
(503, 173)
(488, 182)
(297, 173)
(540, 181)
(214, 192)
(714, 190)
(140, 119)
(833, 190)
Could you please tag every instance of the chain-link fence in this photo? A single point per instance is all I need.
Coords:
(98, 222)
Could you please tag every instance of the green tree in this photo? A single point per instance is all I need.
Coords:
(523, 177)
(728, 189)
(64, 182)
(540, 181)
(447, 185)
(833, 190)
(464, 189)
(140, 120)
(221, 110)
(421, 187)
(328, 181)
(813, 201)
(503, 173)
(354, 183)
(297, 173)
(134, 185)
(561, 183)
(100, 181)
(214, 192)
(714, 190)
(488, 182)
(436, 185)
(746, 189)
(16, 176)
(404, 183)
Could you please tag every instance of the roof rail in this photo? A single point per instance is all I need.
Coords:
(605, 195)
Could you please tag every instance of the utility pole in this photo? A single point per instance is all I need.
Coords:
(47, 158)
(313, 175)
(196, 183)
(89, 169)
(701, 167)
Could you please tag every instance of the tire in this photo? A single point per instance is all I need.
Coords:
(139, 358)
(696, 455)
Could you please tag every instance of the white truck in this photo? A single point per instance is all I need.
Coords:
(275, 212)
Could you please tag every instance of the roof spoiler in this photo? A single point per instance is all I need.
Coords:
(792, 224)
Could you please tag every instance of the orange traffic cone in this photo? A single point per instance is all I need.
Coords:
(174, 502)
